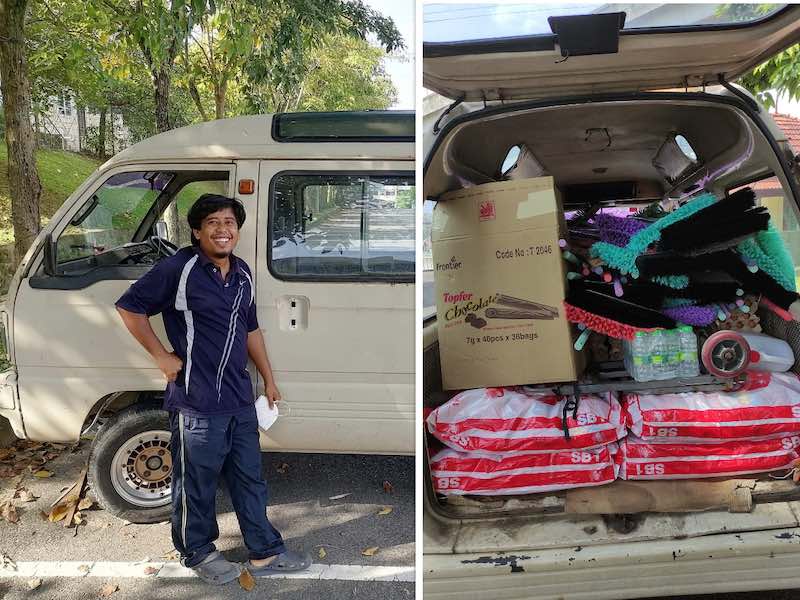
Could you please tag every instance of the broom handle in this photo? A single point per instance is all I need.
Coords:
(524, 304)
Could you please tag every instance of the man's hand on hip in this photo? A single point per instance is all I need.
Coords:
(169, 364)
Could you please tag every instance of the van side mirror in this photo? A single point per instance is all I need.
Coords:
(161, 230)
(50, 253)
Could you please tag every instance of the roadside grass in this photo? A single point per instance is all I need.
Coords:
(60, 173)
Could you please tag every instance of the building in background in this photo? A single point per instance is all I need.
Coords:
(66, 126)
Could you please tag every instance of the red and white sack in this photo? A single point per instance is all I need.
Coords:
(644, 460)
(484, 473)
(770, 407)
(509, 419)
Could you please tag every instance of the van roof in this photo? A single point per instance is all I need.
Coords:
(250, 137)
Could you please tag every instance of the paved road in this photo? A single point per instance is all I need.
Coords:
(775, 595)
(300, 507)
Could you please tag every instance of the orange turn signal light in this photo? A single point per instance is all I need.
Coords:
(247, 186)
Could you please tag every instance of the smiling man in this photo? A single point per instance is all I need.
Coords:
(207, 299)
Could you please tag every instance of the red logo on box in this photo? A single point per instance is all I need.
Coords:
(486, 211)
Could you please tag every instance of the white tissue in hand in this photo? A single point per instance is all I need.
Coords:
(266, 415)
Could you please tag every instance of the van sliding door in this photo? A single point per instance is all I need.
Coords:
(335, 293)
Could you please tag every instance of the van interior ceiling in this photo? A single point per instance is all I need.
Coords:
(614, 151)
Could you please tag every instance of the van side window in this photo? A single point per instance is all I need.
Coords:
(115, 226)
(342, 226)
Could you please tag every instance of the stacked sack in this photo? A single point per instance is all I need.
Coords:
(693, 435)
(521, 441)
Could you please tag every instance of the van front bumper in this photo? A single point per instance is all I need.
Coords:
(760, 560)
(8, 401)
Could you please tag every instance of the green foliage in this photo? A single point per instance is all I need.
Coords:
(780, 74)
(60, 173)
(405, 198)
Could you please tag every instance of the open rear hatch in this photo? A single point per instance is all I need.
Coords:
(591, 49)
(632, 134)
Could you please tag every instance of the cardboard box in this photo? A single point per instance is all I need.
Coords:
(500, 284)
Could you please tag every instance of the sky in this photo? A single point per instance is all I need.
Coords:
(401, 71)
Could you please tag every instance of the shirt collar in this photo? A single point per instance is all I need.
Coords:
(204, 260)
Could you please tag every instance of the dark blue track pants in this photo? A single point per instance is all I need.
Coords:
(203, 448)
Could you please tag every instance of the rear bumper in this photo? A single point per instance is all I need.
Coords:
(762, 560)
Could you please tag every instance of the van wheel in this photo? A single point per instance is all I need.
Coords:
(130, 465)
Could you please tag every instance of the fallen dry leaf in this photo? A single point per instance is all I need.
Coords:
(34, 583)
(42, 474)
(385, 510)
(6, 562)
(58, 513)
(282, 468)
(388, 487)
(77, 518)
(6, 453)
(322, 553)
(246, 581)
(9, 512)
(171, 555)
(85, 504)
(150, 571)
(340, 496)
(83, 568)
(26, 495)
(7, 471)
(108, 589)
(370, 551)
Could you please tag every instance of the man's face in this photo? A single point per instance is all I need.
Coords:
(218, 233)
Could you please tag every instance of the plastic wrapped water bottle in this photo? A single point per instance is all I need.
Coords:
(689, 365)
(658, 351)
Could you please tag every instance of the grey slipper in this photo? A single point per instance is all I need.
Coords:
(217, 570)
(285, 562)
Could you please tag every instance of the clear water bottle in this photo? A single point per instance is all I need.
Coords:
(689, 365)
(659, 356)
(639, 356)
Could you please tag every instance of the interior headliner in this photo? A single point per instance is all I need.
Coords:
(570, 143)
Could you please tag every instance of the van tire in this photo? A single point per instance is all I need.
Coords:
(118, 430)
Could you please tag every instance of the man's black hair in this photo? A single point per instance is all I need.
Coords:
(211, 203)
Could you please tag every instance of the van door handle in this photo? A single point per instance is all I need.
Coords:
(293, 312)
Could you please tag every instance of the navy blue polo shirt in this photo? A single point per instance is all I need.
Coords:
(207, 320)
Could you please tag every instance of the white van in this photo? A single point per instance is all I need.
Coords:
(623, 126)
(329, 236)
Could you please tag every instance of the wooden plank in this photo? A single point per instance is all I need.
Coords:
(678, 496)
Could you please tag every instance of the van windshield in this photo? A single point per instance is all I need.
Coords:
(465, 22)
(112, 215)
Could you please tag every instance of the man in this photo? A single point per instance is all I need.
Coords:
(207, 299)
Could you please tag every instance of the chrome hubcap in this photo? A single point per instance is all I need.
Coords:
(141, 470)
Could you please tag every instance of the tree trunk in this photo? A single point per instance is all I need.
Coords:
(161, 81)
(198, 102)
(220, 91)
(23, 178)
(101, 135)
(113, 133)
(81, 128)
